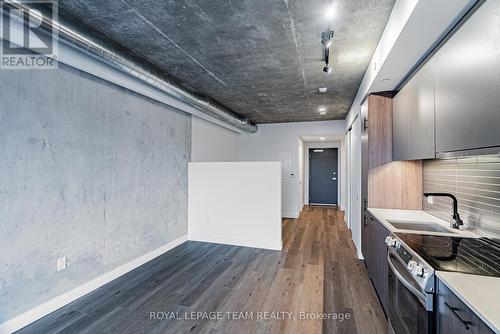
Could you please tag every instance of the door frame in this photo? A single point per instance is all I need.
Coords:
(307, 146)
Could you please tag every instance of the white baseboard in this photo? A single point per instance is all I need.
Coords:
(290, 214)
(50, 306)
(236, 241)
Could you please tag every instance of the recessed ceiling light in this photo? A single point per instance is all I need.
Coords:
(321, 138)
(321, 108)
(322, 112)
(322, 89)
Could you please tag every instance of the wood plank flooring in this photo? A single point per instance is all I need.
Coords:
(317, 273)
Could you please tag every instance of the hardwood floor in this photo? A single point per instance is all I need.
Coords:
(316, 273)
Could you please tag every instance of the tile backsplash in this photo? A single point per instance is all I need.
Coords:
(475, 181)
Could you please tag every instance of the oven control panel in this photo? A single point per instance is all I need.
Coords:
(419, 269)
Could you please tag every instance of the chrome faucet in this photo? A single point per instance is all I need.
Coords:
(456, 217)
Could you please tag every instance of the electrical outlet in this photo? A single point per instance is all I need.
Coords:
(430, 200)
(61, 263)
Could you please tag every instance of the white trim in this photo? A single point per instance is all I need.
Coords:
(52, 305)
(217, 239)
(290, 214)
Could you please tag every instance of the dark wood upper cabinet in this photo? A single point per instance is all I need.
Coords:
(413, 117)
(467, 79)
(452, 102)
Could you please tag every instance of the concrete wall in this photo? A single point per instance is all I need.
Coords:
(211, 142)
(88, 171)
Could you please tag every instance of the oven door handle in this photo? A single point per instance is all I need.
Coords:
(417, 293)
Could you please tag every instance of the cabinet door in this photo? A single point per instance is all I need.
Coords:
(453, 316)
(401, 105)
(468, 82)
(375, 255)
(365, 240)
(368, 248)
(421, 117)
(382, 265)
(413, 117)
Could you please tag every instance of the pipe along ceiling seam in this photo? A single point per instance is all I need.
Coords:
(86, 40)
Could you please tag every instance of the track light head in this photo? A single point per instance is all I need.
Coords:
(327, 69)
(326, 38)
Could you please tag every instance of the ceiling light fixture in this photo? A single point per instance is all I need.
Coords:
(322, 89)
(322, 112)
(321, 138)
(326, 40)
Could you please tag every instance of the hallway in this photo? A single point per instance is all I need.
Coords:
(316, 273)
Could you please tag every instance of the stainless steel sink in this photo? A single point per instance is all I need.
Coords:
(419, 226)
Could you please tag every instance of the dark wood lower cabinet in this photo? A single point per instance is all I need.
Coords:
(374, 251)
(454, 317)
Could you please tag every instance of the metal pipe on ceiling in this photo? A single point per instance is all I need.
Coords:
(88, 41)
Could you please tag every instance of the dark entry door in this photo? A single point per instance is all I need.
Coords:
(323, 176)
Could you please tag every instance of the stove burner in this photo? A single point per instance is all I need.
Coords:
(435, 243)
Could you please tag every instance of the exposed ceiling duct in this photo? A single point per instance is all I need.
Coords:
(89, 41)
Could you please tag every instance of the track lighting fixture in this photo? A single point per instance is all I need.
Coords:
(326, 40)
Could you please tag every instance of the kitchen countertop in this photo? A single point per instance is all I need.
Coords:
(480, 293)
(385, 215)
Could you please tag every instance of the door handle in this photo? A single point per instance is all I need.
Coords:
(418, 294)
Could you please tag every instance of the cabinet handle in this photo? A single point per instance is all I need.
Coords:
(454, 311)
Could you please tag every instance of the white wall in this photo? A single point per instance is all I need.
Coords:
(211, 142)
(279, 142)
(355, 185)
(237, 203)
(272, 142)
(301, 174)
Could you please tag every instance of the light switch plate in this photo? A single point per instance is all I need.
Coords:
(430, 200)
(61, 263)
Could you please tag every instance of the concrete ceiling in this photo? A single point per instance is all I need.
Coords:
(260, 58)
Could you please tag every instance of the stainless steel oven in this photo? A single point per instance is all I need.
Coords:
(411, 287)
